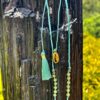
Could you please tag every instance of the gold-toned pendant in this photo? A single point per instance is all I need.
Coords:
(55, 57)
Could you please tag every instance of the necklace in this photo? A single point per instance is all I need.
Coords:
(53, 69)
(68, 77)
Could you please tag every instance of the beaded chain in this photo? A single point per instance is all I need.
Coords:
(55, 85)
(68, 77)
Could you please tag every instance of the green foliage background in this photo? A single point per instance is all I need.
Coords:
(91, 50)
(91, 17)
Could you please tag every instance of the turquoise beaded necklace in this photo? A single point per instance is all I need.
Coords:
(53, 69)
(68, 77)
(50, 32)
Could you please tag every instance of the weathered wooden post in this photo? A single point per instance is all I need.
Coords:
(21, 54)
(1, 48)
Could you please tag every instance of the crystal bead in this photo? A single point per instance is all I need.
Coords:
(68, 78)
(54, 95)
(55, 83)
(53, 76)
(55, 88)
(68, 74)
(68, 86)
(68, 94)
(68, 90)
(55, 80)
(68, 82)
(55, 92)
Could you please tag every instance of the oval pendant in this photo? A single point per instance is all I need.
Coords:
(55, 57)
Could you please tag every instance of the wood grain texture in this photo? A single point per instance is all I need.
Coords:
(21, 54)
